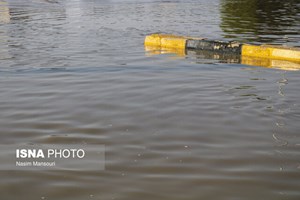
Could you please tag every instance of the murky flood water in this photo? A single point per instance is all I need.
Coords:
(76, 72)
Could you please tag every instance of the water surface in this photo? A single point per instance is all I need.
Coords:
(76, 72)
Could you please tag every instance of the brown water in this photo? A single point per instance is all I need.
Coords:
(75, 72)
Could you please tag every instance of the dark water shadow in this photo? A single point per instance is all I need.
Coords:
(268, 21)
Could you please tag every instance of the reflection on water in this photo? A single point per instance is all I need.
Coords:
(4, 19)
(183, 125)
(201, 56)
(267, 21)
(4, 12)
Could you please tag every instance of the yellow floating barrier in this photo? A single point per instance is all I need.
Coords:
(285, 58)
(165, 41)
(261, 51)
(272, 52)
